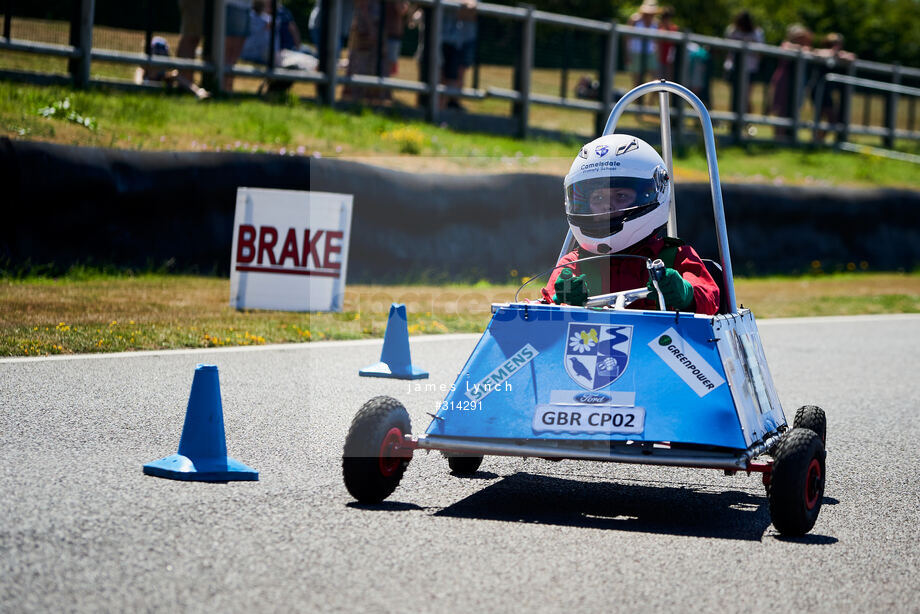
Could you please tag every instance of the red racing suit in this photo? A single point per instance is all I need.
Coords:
(606, 275)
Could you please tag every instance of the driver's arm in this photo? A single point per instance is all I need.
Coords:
(550, 291)
(568, 259)
(705, 290)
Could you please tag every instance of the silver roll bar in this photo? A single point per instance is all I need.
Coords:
(664, 108)
(665, 88)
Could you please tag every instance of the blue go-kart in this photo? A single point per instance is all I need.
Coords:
(606, 383)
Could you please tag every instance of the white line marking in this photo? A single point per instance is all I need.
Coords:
(887, 317)
(277, 347)
(286, 347)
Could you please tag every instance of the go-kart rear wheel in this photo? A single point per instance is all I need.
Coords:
(372, 463)
(797, 482)
(812, 417)
(464, 464)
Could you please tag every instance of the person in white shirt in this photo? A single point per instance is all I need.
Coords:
(641, 52)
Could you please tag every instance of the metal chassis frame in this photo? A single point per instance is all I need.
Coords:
(599, 450)
(664, 88)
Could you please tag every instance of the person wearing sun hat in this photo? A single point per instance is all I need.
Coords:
(641, 53)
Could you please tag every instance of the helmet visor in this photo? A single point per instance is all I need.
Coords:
(613, 196)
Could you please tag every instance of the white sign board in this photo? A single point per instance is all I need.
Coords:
(290, 250)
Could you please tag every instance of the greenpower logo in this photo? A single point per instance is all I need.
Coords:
(664, 340)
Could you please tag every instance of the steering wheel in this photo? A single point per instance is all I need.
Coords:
(615, 300)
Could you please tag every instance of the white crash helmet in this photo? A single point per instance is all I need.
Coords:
(616, 193)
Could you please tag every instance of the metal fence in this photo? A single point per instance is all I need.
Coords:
(885, 94)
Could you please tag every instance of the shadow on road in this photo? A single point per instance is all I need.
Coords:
(810, 539)
(479, 475)
(680, 510)
(385, 506)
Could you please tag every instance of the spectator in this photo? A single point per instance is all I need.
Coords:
(667, 50)
(190, 30)
(316, 23)
(743, 29)
(798, 37)
(290, 33)
(834, 55)
(256, 46)
(395, 25)
(364, 48)
(641, 53)
(149, 74)
(192, 27)
(458, 47)
(236, 29)
(699, 71)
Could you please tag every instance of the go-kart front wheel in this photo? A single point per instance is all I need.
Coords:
(797, 482)
(373, 462)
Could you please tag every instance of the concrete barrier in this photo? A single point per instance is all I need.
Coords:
(66, 205)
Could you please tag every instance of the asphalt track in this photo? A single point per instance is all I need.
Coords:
(81, 529)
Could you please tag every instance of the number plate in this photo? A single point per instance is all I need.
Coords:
(588, 419)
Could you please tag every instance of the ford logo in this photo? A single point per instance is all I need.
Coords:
(592, 397)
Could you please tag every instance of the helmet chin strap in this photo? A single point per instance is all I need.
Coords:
(603, 248)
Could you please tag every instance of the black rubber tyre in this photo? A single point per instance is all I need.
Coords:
(797, 483)
(812, 417)
(464, 464)
(369, 465)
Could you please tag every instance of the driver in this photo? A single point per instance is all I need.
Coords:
(616, 199)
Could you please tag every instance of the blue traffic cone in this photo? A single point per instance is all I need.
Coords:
(202, 453)
(395, 361)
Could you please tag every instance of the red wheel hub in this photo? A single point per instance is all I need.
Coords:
(813, 484)
(389, 458)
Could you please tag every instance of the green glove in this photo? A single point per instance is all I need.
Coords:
(677, 291)
(570, 290)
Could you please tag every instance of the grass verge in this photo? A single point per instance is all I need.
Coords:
(117, 313)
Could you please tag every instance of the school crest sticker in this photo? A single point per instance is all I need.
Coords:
(596, 355)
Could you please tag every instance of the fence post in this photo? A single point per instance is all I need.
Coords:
(476, 65)
(740, 87)
(148, 29)
(683, 73)
(817, 99)
(797, 88)
(218, 41)
(566, 53)
(273, 33)
(382, 42)
(81, 37)
(607, 76)
(911, 113)
(522, 77)
(891, 111)
(433, 57)
(7, 18)
(329, 50)
(846, 107)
